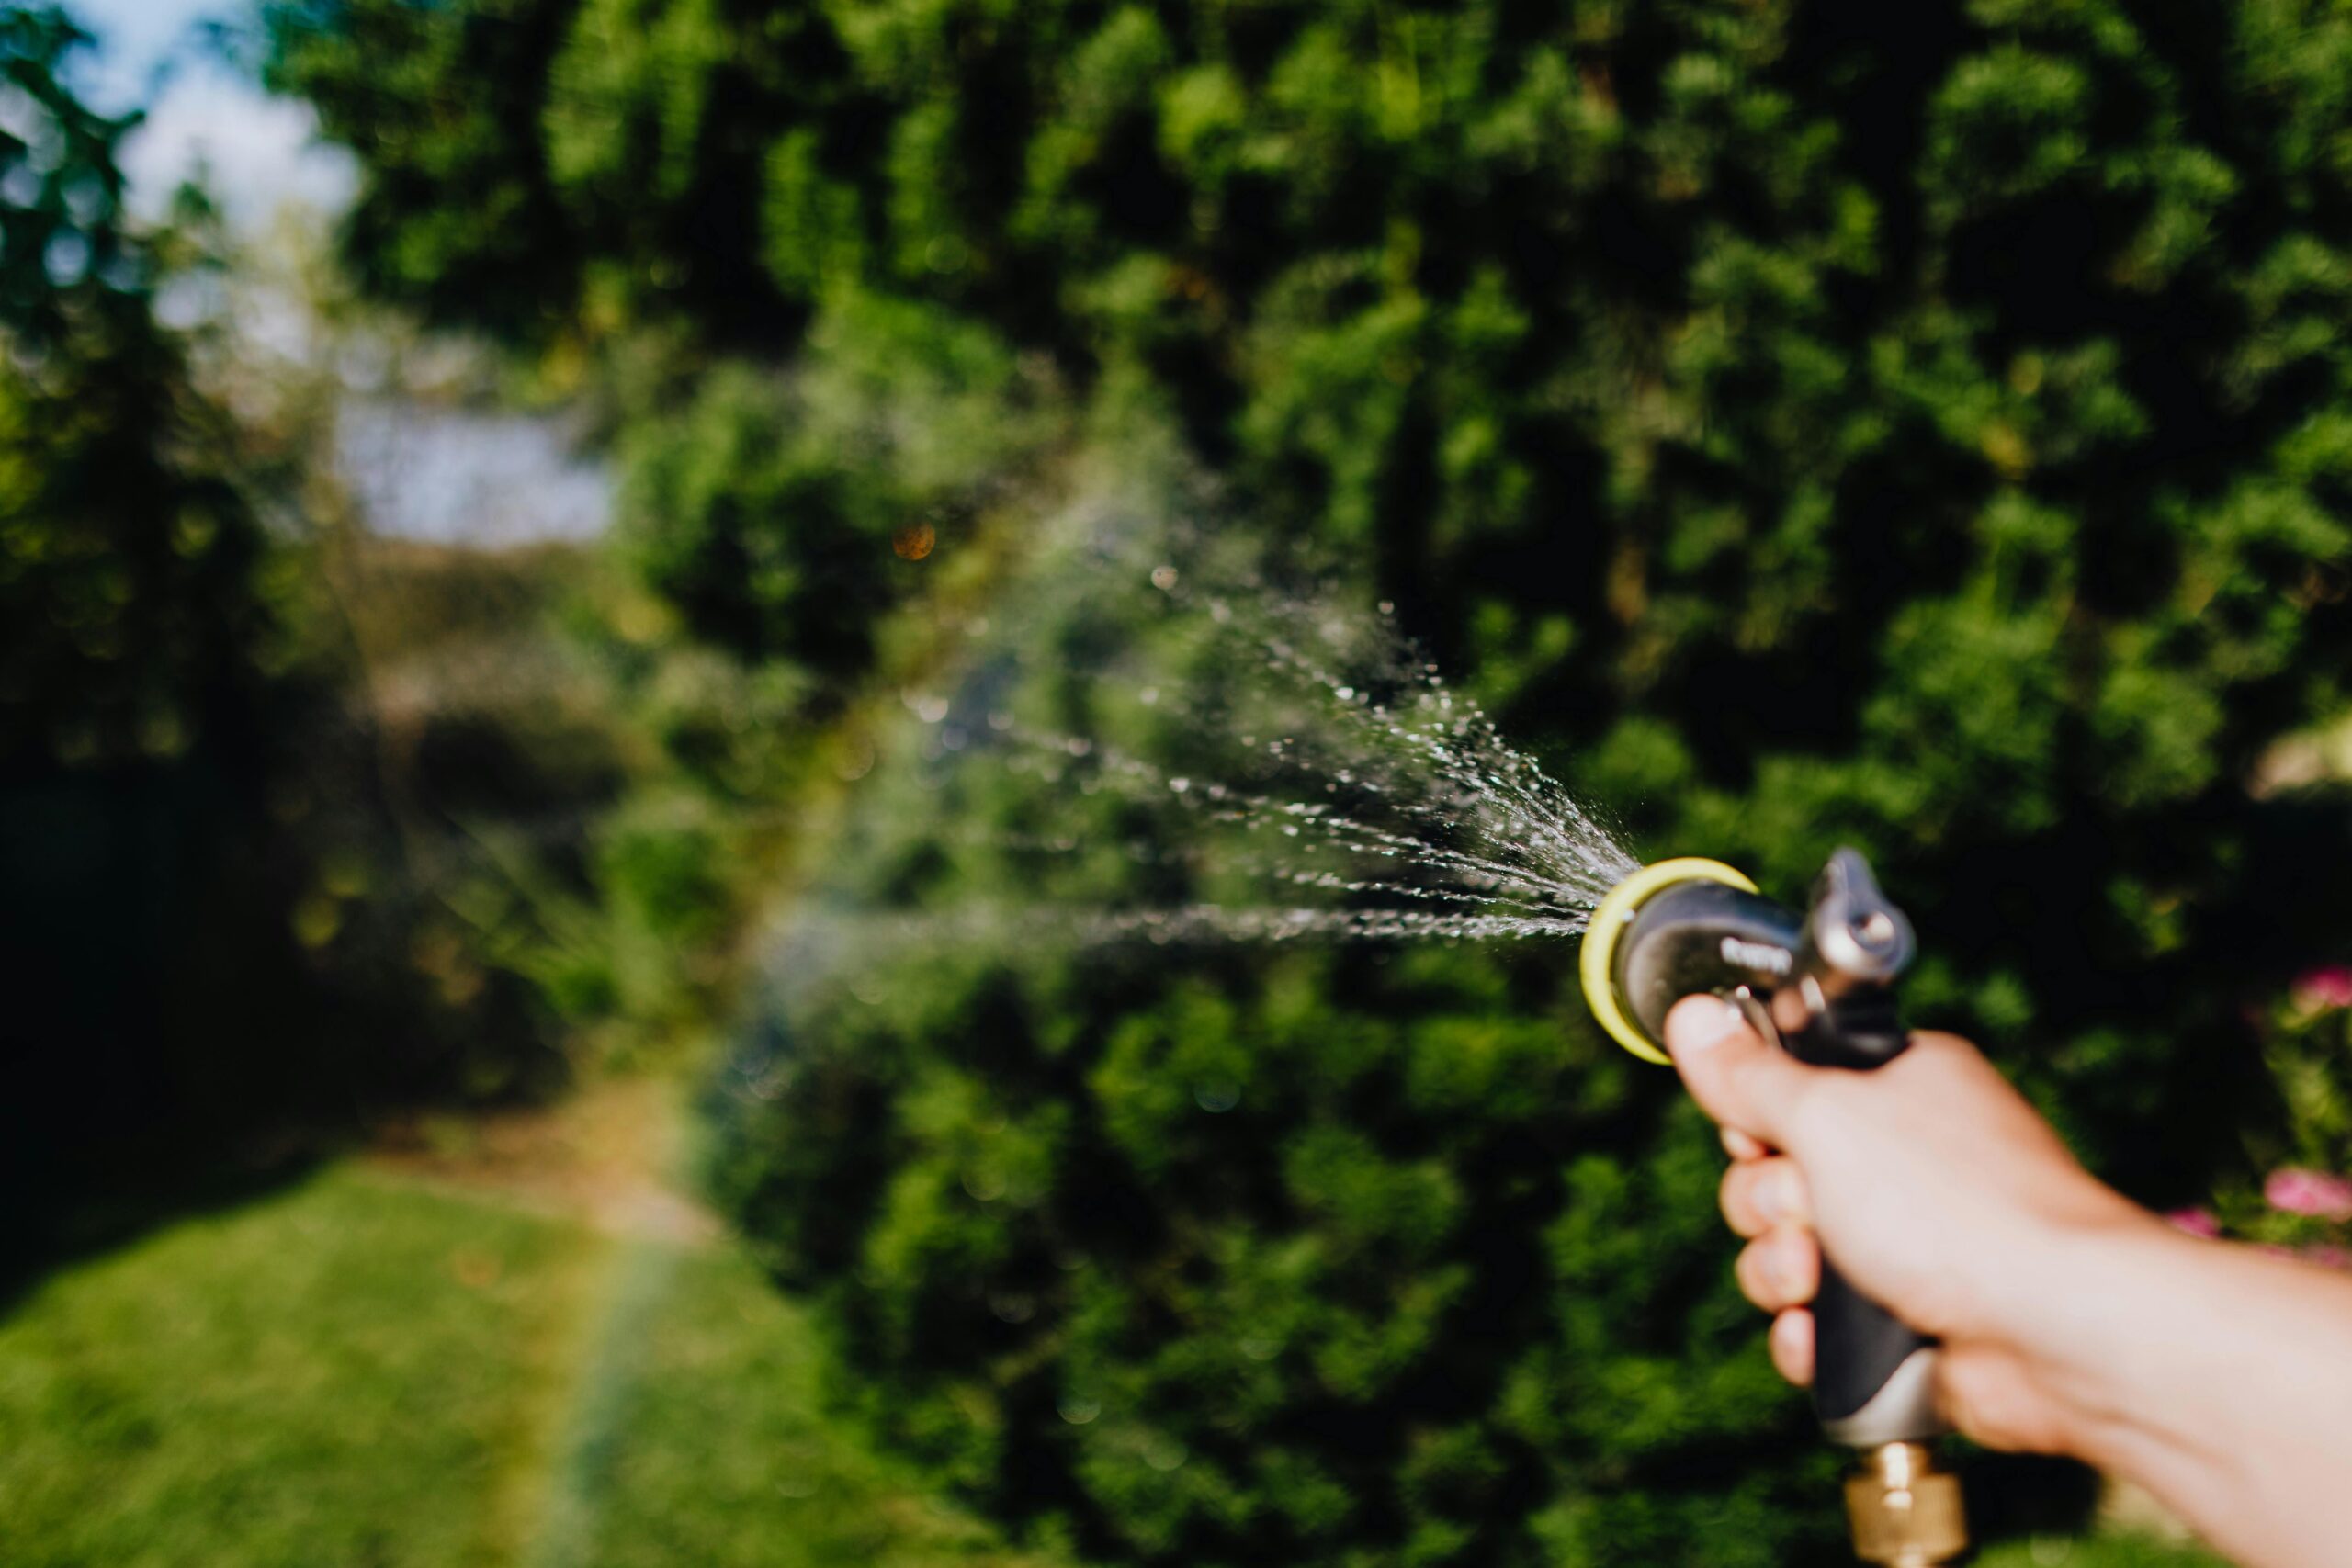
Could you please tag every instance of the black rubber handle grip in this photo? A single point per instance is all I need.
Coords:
(1860, 1347)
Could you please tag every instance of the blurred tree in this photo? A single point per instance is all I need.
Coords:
(132, 630)
(459, 220)
(1809, 421)
(128, 609)
(190, 942)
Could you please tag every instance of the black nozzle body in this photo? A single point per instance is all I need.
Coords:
(1854, 945)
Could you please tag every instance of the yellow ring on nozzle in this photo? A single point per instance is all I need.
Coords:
(1596, 963)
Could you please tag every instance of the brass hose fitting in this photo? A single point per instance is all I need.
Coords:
(1906, 1512)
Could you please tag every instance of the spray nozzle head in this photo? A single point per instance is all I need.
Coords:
(1685, 926)
(1612, 918)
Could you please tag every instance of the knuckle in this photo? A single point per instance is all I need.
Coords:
(1798, 1266)
(1758, 1196)
(1748, 1271)
(1778, 1269)
(1792, 1343)
(1727, 1198)
(1738, 1204)
(1789, 1199)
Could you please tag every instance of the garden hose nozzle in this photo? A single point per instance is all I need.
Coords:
(1820, 982)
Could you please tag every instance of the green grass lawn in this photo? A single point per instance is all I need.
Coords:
(365, 1371)
(360, 1370)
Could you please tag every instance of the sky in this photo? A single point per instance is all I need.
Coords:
(451, 476)
(261, 151)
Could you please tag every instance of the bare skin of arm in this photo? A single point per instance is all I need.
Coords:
(2074, 1321)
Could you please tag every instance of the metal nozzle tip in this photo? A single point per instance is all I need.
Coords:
(1906, 1512)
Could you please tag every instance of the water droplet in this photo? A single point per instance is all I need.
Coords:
(1216, 1096)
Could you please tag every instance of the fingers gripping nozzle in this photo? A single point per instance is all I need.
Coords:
(1821, 982)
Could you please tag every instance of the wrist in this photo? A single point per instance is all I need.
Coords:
(2110, 1335)
(2086, 1314)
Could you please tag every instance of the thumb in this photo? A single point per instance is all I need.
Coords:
(1737, 1079)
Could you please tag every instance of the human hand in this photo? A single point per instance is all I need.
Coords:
(1940, 1192)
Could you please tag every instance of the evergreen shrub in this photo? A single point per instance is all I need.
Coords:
(1803, 421)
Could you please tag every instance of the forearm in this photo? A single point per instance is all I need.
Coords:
(2216, 1377)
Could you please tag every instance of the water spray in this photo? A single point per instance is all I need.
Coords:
(1335, 761)
(1820, 983)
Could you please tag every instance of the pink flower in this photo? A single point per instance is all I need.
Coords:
(2310, 1192)
(2196, 1222)
(2330, 986)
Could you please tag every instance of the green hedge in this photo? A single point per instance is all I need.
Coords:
(1806, 421)
(1191, 1253)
